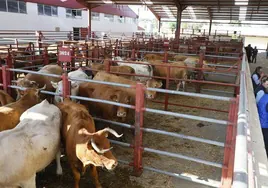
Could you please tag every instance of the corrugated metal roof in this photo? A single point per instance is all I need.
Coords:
(251, 10)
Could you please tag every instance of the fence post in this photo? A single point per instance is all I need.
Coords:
(139, 108)
(5, 78)
(133, 54)
(107, 66)
(66, 85)
(167, 87)
(72, 58)
(46, 60)
(87, 51)
(200, 72)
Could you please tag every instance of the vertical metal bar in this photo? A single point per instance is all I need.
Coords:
(108, 66)
(72, 58)
(210, 26)
(89, 23)
(87, 51)
(139, 110)
(167, 87)
(179, 15)
(65, 85)
(46, 60)
(4, 78)
(200, 72)
(226, 180)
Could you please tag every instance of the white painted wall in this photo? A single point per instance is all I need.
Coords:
(33, 21)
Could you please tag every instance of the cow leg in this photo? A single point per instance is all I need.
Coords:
(30, 183)
(59, 168)
(77, 176)
(178, 86)
(94, 174)
(183, 86)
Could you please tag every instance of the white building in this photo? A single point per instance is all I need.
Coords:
(56, 15)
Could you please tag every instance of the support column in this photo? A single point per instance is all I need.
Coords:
(159, 25)
(210, 25)
(89, 22)
(178, 25)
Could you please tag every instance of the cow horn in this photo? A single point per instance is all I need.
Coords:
(43, 88)
(98, 150)
(113, 132)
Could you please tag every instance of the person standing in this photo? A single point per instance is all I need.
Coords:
(263, 116)
(254, 55)
(249, 50)
(256, 77)
(261, 90)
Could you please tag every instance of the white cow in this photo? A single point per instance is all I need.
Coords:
(139, 69)
(31, 146)
(74, 84)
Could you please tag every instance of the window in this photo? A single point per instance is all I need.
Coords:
(95, 16)
(127, 20)
(13, 6)
(47, 10)
(73, 13)
(121, 19)
(134, 20)
(109, 17)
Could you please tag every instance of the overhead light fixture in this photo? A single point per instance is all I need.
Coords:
(107, 1)
(191, 12)
(241, 2)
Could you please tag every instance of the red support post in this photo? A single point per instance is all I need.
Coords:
(229, 149)
(200, 74)
(133, 55)
(66, 85)
(167, 87)
(107, 66)
(139, 108)
(5, 78)
(46, 59)
(73, 58)
(87, 52)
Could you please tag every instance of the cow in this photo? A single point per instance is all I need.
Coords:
(37, 81)
(83, 145)
(153, 57)
(192, 62)
(103, 92)
(121, 70)
(5, 98)
(141, 69)
(175, 73)
(152, 83)
(10, 114)
(30, 146)
(74, 84)
(180, 57)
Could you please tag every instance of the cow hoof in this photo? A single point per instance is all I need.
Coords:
(59, 172)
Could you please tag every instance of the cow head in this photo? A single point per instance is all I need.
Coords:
(23, 82)
(153, 84)
(120, 97)
(33, 95)
(59, 89)
(94, 148)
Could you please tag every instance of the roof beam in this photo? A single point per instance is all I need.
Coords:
(258, 6)
(154, 13)
(209, 13)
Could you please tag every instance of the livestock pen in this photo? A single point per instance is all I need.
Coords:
(191, 137)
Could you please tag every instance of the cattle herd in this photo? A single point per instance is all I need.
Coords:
(37, 123)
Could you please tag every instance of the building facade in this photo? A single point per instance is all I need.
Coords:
(50, 15)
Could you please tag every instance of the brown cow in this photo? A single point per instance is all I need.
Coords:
(5, 98)
(114, 69)
(37, 81)
(175, 73)
(107, 111)
(152, 83)
(153, 57)
(83, 145)
(10, 114)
